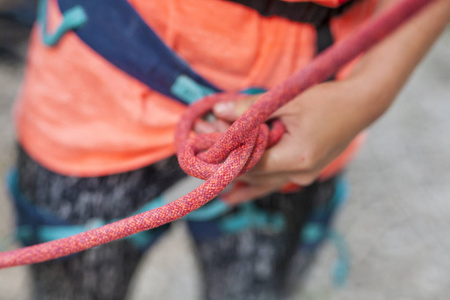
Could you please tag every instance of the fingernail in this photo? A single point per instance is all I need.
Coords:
(224, 109)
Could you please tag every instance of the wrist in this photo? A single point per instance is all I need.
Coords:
(366, 101)
(382, 72)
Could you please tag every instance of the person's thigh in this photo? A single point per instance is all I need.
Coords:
(103, 272)
(256, 251)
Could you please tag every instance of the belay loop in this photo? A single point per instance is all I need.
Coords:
(201, 155)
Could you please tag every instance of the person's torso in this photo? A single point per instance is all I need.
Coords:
(79, 114)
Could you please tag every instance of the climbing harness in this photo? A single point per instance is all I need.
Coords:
(228, 155)
(145, 57)
(36, 225)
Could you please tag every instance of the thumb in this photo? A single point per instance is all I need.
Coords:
(233, 109)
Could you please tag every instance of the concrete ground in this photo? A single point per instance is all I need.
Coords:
(397, 219)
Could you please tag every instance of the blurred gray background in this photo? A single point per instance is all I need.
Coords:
(397, 220)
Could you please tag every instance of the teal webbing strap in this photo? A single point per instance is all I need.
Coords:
(47, 233)
(342, 266)
(72, 19)
(210, 211)
(252, 217)
(189, 90)
(315, 231)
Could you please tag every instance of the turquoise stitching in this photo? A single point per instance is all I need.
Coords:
(72, 19)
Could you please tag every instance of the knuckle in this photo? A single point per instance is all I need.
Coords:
(307, 161)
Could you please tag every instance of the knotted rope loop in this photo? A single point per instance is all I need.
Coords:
(194, 154)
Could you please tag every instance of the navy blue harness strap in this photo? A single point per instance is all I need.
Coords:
(29, 216)
(116, 31)
(36, 225)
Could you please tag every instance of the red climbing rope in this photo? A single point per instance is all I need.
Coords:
(226, 156)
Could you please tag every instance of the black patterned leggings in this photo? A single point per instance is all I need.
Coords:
(252, 264)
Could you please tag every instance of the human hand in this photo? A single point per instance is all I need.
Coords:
(319, 125)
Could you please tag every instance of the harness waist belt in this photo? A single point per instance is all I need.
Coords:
(303, 12)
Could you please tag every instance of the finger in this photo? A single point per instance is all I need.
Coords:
(221, 126)
(270, 180)
(283, 157)
(202, 127)
(301, 101)
(281, 179)
(231, 110)
(304, 169)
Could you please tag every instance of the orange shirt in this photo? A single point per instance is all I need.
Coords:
(79, 115)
